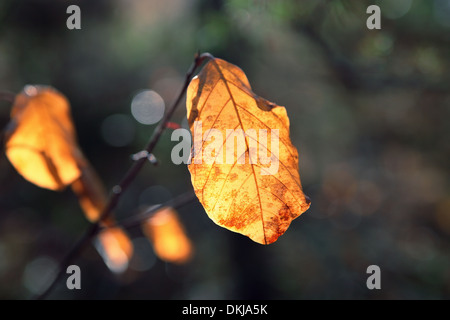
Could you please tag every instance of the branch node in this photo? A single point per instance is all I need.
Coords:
(145, 154)
(139, 155)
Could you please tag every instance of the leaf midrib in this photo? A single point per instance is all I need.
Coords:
(246, 142)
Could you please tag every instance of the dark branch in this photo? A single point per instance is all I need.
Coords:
(131, 174)
(175, 203)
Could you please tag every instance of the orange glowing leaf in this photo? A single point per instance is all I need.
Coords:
(115, 247)
(167, 235)
(40, 142)
(253, 186)
(90, 192)
(113, 243)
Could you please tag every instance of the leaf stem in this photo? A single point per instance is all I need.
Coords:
(119, 189)
(137, 219)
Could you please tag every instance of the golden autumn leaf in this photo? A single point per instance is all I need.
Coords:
(115, 247)
(112, 243)
(91, 193)
(40, 142)
(252, 186)
(41, 145)
(167, 235)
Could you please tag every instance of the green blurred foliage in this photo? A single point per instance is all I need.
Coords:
(369, 113)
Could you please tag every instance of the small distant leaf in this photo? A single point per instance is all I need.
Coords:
(116, 249)
(40, 142)
(90, 192)
(247, 195)
(113, 244)
(167, 235)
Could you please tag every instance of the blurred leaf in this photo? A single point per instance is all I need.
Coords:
(115, 247)
(167, 235)
(90, 192)
(242, 194)
(113, 243)
(40, 142)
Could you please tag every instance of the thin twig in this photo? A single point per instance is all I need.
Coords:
(136, 220)
(70, 256)
(146, 213)
(130, 175)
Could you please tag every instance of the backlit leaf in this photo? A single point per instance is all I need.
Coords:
(167, 235)
(113, 243)
(251, 186)
(115, 247)
(40, 142)
(90, 192)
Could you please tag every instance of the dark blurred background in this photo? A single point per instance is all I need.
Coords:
(369, 112)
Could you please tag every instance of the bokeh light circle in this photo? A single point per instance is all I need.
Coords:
(147, 107)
